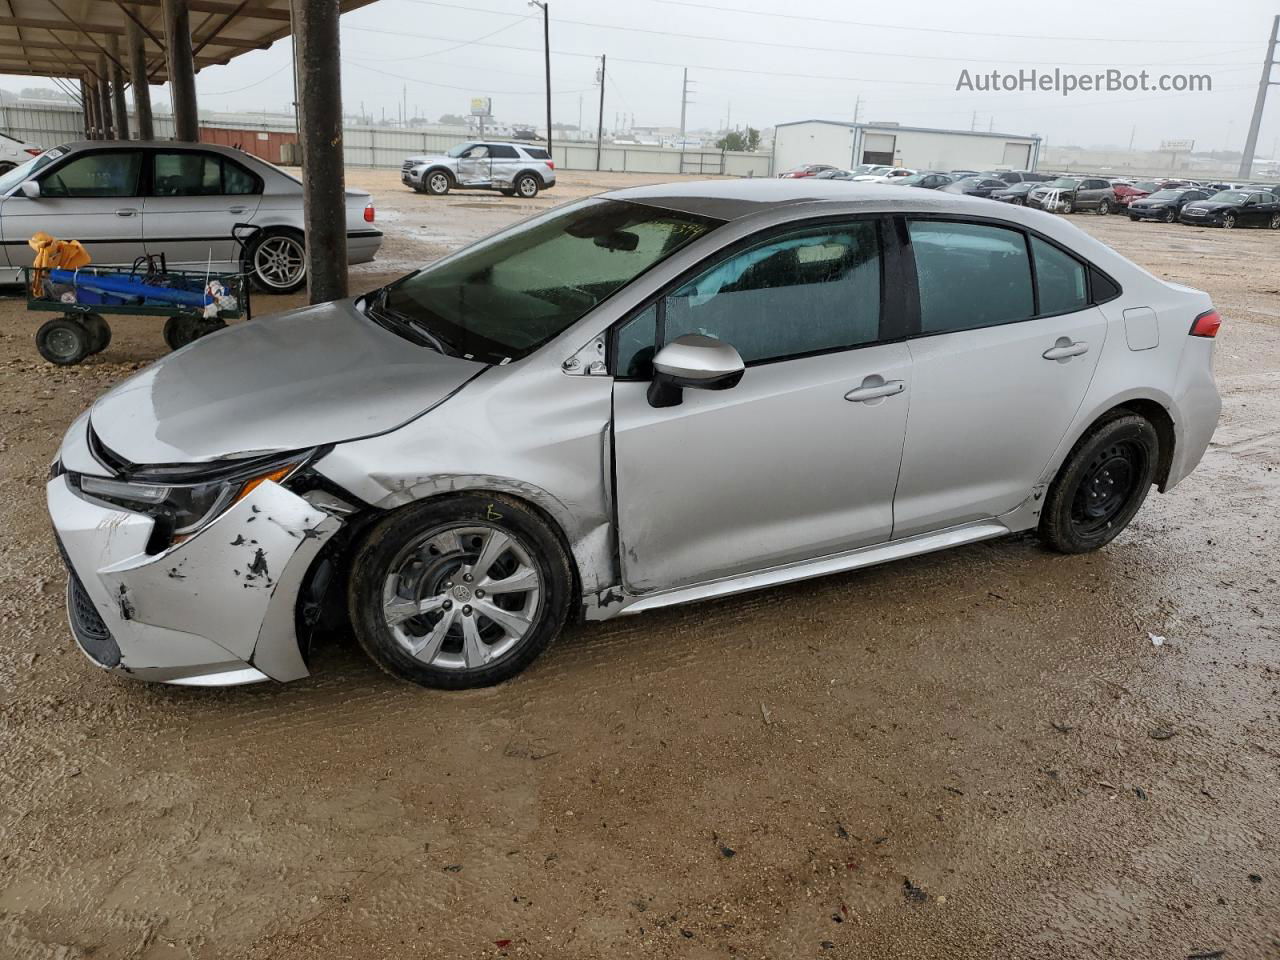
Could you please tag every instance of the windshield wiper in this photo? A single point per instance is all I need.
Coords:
(405, 326)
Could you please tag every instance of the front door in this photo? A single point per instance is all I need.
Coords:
(800, 458)
(475, 167)
(93, 197)
(196, 199)
(999, 370)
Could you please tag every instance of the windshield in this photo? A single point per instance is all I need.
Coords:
(912, 180)
(1063, 183)
(460, 149)
(502, 298)
(1230, 196)
(1148, 185)
(24, 170)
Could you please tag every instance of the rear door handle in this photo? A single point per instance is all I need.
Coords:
(126, 211)
(238, 210)
(874, 388)
(1065, 349)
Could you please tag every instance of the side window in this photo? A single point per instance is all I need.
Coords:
(112, 173)
(970, 275)
(636, 345)
(1060, 279)
(802, 293)
(186, 175)
(501, 151)
(237, 181)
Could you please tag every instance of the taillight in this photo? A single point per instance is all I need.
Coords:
(551, 164)
(368, 213)
(34, 151)
(1207, 324)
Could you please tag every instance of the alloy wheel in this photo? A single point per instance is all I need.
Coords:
(462, 595)
(527, 187)
(1274, 223)
(279, 261)
(438, 183)
(1229, 221)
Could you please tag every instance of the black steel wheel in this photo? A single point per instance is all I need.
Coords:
(64, 341)
(1102, 484)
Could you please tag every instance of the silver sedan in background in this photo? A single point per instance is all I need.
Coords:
(654, 396)
(124, 200)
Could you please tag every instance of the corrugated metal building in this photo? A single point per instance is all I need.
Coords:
(924, 148)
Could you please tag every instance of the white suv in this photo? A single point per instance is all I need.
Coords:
(512, 168)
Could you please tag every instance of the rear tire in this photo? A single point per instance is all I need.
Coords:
(527, 186)
(98, 329)
(430, 551)
(1104, 207)
(1101, 486)
(180, 331)
(277, 261)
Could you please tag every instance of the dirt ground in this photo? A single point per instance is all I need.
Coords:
(973, 754)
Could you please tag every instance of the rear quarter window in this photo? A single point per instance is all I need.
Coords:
(537, 153)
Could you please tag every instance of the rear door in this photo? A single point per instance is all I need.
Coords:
(93, 196)
(195, 199)
(791, 463)
(1006, 347)
(505, 162)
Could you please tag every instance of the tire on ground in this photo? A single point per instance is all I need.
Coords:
(372, 562)
(1065, 525)
(273, 243)
(64, 341)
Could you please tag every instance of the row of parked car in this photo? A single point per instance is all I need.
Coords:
(1171, 200)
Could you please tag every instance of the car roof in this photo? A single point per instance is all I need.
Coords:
(732, 199)
(159, 144)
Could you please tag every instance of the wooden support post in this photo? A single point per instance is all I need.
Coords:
(141, 83)
(182, 71)
(324, 200)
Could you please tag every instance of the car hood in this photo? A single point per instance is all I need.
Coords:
(319, 375)
(429, 158)
(1210, 206)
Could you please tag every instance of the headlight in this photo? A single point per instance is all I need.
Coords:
(181, 509)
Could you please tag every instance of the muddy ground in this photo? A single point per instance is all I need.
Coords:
(969, 755)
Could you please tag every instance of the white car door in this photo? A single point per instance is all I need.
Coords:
(195, 200)
(92, 196)
(1001, 364)
(800, 458)
(474, 166)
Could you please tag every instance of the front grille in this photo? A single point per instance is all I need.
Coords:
(408, 165)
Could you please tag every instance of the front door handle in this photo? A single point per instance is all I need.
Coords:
(126, 211)
(238, 210)
(875, 387)
(1065, 348)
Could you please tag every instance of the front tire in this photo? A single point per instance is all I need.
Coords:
(1171, 215)
(1101, 486)
(1229, 221)
(1066, 206)
(437, 182)
(458, 592)
(98, 329)
(277, 261)
(64, 341)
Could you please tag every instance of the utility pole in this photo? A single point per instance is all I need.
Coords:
(1251, 141)
(857, 108)
(546, 44)
(684, 104)
(1133, 132)
(600, 118)
(973, 124)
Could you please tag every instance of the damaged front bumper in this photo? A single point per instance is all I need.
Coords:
(216, 609)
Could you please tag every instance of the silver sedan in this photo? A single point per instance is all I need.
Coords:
(653, 396)
(124, 200)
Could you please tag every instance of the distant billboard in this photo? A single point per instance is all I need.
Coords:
(481, 106)
(1177, 146)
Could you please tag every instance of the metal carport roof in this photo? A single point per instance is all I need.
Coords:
(64, 38)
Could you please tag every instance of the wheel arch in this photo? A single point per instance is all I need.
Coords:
(530, 170)
(1154, 410)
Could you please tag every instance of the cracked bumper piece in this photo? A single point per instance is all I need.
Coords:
(216, 609)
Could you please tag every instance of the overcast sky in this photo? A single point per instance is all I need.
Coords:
(790, 61)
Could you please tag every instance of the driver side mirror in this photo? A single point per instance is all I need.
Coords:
(29, 189)
(693, 361)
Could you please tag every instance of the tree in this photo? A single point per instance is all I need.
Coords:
(453, 120)
(747, 141)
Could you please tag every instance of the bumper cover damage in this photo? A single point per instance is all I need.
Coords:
(217, 608)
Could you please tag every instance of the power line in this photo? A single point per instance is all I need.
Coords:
(248, 86)
(888, 26)
(469, 89)
(775, 45)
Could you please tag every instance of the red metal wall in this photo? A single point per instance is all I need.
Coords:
(261, 143)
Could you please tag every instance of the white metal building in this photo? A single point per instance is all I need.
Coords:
(923, 148)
